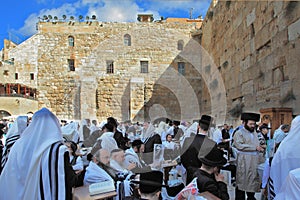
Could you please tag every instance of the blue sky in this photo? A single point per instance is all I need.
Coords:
(19, 17)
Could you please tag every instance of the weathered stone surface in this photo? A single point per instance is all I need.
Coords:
(262, 50)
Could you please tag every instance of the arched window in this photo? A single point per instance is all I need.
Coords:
(71, 41)
(127, 40)
(180, 44)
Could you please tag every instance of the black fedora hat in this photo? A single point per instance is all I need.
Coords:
(150, 181)
(205, 119)
(176, 122)
(264, 126)
(214, 158)
(250, 116)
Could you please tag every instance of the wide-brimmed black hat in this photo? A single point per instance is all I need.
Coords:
(176, 123)
(136, 143)
(205, 119)
(264, 126)
(150, 182)
(214, 158)
(250, 116)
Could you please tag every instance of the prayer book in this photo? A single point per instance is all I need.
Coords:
(102, 187)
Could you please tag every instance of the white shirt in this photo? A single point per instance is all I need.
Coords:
(169, 145)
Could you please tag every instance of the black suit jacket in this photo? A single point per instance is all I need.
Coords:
(193, 147)
(190, 150)
(207, 182)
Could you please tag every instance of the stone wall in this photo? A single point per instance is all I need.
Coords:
(255, 45)
(18, 105)
(89, 91)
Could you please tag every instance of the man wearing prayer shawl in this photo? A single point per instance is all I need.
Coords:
(95, 172)
(12, 136)
(247, 144)
(150, 137)
(84, 130)
(70, 132)
(286, 158)
(38, 165)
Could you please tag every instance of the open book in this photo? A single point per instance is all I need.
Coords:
(102, 187)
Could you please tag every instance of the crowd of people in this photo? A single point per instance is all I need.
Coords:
(45, 158)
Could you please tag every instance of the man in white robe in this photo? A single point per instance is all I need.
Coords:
(247, 144)
(286, 158)
(107, 138)
(38, 165)
(13, 134)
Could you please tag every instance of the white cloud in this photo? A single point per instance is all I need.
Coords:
(29, 27)
(117, 11)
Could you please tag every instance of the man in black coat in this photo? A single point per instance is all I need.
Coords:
(208, 176)
(118, 136)
(193, 145)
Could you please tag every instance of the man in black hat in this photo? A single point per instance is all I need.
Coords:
(247, 144)
(208, 176)
(150, 185)
(121, 139)
(193, 145)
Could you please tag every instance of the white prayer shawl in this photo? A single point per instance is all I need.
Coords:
(115, 165)
(70, 132)
(131, 157)
(28, 163)
(12, 136)
(291, 187)
(287, 156)
(93, 128)
(79, 163)
(161, 130)
(108, 141)
(122, 129)
(82, 124)
(217, 136)
(279, 135)
(170, 130)
(192, 129)
(169, 145)
(95, 174)
(183, 127)
(148, 133)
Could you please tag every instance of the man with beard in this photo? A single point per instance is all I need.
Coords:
(247, 144)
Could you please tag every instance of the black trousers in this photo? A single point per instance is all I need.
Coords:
(240, 195)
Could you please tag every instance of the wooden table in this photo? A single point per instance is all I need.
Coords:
(209, 196)
(82, 193)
